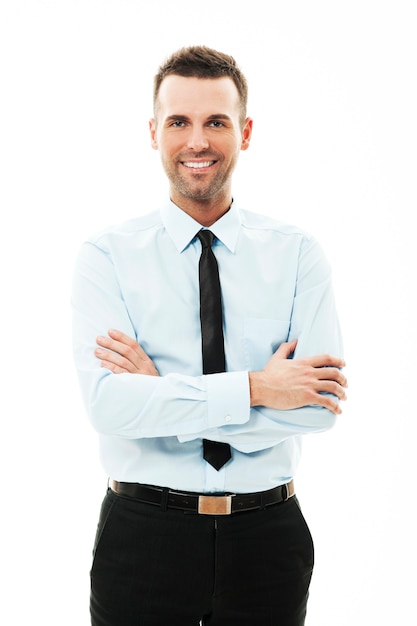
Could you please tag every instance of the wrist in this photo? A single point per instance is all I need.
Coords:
(255, 388)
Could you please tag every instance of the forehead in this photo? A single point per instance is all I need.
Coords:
(191, 95)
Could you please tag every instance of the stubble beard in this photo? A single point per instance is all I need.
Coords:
(198, 190)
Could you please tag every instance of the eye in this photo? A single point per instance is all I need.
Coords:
(177, 124)
(216, 124)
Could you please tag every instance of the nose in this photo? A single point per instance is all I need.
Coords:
(197, 139)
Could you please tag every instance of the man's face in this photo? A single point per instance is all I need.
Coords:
(198, 133)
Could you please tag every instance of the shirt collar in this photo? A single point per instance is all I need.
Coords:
(182, 228)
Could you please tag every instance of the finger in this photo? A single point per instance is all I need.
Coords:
(331, 373)
(118, 335)
(329, 403)
(122, 343)
(286, 349)
(115, 360)
(329, 386)
(114, 343)
(128, 351)
(325, 360)
(113, 367)
(114, 346)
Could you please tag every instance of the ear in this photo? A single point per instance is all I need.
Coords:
(152, 130)
(246, 133)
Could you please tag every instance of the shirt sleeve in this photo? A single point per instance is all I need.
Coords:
(134, 405)
(314, 322)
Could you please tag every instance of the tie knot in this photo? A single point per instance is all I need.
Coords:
(206, 237)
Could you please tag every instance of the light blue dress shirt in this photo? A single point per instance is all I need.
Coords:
(142, 278)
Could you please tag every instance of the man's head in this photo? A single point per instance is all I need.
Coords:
(199, 128)
(203, 62)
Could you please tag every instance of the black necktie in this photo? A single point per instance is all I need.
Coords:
(215, 453)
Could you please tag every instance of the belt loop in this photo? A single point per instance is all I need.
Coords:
(285, 492)
(164, 499)
(262, 502)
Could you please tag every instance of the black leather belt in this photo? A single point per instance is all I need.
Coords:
(222, 504)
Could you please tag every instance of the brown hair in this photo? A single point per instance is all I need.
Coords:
(203, 62)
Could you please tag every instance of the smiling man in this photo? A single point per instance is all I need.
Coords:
(199, 132)
(207, 344)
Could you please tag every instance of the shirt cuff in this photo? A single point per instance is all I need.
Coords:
(228, 399)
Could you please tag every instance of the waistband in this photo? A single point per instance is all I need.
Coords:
(204, 504)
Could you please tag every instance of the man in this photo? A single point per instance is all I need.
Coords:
(182, 536)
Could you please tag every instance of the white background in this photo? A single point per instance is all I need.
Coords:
(333, 96)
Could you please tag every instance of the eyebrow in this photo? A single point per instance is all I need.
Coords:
(219, 116)
(185, 118)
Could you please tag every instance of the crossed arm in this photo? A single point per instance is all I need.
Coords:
(282, 384)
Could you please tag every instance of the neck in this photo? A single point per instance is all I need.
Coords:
(205, 212)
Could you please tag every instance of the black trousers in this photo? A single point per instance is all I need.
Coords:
(169, 568)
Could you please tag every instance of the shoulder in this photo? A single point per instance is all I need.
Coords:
(135, 228)
(257, 222)
(270, 233)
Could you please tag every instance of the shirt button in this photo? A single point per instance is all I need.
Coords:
(228, 418)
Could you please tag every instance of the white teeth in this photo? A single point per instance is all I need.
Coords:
(198, 165)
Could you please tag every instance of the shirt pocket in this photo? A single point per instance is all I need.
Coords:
(262, 337)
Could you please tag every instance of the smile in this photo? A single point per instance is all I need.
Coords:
(198, 165)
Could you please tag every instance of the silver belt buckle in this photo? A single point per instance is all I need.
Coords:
(215, 505)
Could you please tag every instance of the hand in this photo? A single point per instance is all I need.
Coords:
(293, 383)
(121, 354)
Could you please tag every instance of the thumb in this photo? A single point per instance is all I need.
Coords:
(286, 349)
